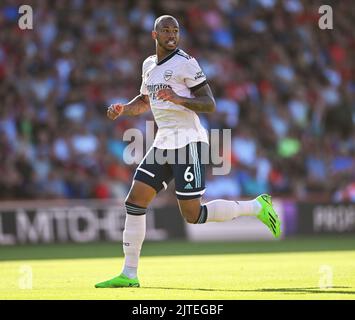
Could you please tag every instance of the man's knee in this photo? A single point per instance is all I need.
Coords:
(140, 195)
(134, 198)
(190, 214)
(190, 209)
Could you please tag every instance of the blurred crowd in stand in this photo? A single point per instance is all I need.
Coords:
(284, 86)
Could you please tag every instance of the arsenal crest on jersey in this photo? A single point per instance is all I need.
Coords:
(167, 75)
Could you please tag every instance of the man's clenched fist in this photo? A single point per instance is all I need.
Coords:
(114, 111)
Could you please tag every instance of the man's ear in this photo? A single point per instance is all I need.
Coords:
(154, 35)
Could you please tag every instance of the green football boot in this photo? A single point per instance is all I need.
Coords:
(268, 216)
(120, 281)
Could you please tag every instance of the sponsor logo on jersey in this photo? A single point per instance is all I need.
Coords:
(188, 186)
(154, 88)
(167, 75)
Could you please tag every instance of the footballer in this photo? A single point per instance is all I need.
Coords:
(175, 89)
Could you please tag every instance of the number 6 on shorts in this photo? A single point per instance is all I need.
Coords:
(188, 176)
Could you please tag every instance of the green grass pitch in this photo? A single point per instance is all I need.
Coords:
(287, 269)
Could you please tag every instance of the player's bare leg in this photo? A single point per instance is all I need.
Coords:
(190, 209)
(141, 194)
(224, 210)
(138, 199)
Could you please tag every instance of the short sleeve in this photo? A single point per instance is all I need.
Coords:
(193, 74)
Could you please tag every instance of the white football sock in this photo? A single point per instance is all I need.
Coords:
(133, 237)
(224, 210)
(130, 272)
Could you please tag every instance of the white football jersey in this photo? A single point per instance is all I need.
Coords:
(177, 125)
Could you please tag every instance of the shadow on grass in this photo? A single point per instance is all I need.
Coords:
(176, 248)
(285, 290)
